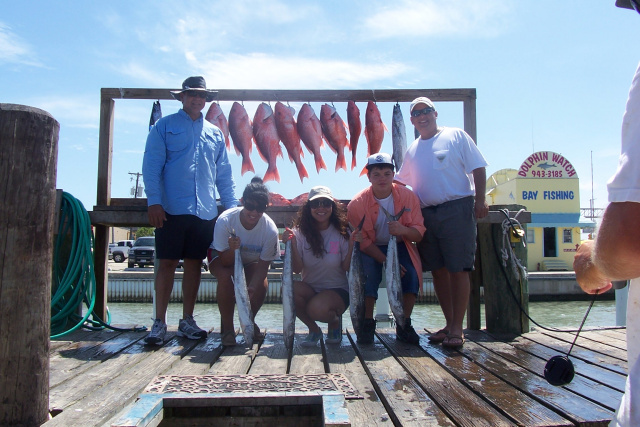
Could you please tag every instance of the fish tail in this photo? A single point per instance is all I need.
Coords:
(302, 171)
(320, 163)
(227, 143)
(353, 160)
(272, 174)
(247, 165)
(364, 171)
(341, 163)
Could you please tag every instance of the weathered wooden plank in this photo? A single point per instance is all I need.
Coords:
(75, 338)
(579, 352)
(112, 392)
(199, 360)
(510, 401)
(293, 95)
(272, 358)
(614, 380)
(369, 411)
(234, 360)
(530, 381)
(71, 363)
(606, 336)
(406, 402)
(590, 344)
(460, 404)
(306, 360)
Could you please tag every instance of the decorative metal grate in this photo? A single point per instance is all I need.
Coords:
(268, 383)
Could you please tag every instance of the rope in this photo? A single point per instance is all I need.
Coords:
(74, 280)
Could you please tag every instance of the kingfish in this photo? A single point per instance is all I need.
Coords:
(392, 273)
(398, 136)
(373, 130)
(242, 135)
(217, 117)
(310, 131)
(267, 140)
(156, 114)
(288, 133)
(335, 132)
(242, 298)
(355, 128)
(288, 307)
(356, 286)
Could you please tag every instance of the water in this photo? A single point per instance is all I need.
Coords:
(564, 314)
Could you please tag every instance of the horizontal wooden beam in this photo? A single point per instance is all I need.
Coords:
(292, 95)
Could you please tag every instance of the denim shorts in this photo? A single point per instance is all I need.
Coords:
(450, 239)
(184, 237)
(373, 271)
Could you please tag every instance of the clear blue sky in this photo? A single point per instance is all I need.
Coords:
(550, 75)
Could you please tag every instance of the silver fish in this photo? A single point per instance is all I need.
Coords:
(398, 136)
(288, 307)
(242, 298)
(356, 286)
(156, 114)
(392, 273)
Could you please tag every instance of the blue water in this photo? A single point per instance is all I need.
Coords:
(563, 314)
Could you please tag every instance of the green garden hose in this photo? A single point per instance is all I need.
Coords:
(74, 279)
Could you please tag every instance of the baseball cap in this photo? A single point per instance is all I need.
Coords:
(379, 159)
(422, 100)
(320, 191)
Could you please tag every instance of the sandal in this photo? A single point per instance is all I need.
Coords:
(453, 341)
(439, 336)
(229, 339)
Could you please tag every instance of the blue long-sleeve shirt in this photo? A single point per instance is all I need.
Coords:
(184, 162)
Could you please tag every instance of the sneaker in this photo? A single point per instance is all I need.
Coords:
(312, 339)
(229, 339)
(407, 334)
(188, 328)
(334, 336)
(158, 331)
(367, 331)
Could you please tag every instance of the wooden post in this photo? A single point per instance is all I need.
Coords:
(28, 161)
(505, 295)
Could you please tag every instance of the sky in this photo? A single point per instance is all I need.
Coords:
(550, 75)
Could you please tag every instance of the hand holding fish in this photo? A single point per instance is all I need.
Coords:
(287, 235)
(397, 229)
(234, 243)
(356, 236)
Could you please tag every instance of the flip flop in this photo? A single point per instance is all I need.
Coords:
(439, 336)
(453, 341)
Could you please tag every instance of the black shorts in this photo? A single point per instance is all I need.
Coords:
(344, 294)
(184, 237)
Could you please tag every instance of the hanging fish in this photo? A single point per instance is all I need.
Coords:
(373, 130)
(398, 136)
(217, 117)
(267, 140)
(335, 132)
(392, 272)
(288, 133)
(355, 127)
(242, 135)
(288, 305)
(310, 131)
(156, 114)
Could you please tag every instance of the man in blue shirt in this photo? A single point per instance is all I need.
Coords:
(185, 161)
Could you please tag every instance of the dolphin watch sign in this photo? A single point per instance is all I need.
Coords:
(546, 164)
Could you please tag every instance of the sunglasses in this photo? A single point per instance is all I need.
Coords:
(197, 93)
(418, 113)
(317, 203)
(255, 207)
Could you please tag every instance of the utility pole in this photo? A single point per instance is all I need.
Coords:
(135, 195)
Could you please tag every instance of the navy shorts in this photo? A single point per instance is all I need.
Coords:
(184, 237)
(450, 239)
(373, 271)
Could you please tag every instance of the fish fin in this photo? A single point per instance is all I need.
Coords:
(385, 127)
(247, 166)
(271, 174)
(341, 162)
(302, 171)
(353, 160)
(320, 163)
(227, 143)
(364, 171)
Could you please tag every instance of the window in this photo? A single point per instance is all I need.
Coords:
(567, 236)
(531, 235)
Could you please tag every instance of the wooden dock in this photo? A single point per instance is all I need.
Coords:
(95, 377)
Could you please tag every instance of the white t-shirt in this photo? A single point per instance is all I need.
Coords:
(440, 169)
(261, 242)
(382, 223)
(326, 272)
(624, 186)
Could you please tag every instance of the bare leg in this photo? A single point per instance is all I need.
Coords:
(302, 293)
(442, 286)
(408, 301)
(225, 294)
(257, 284)
(164, 285)
(461, 287)
(369, 305)
(190, 285)
(327, 307)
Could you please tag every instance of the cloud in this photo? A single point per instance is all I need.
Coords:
(431, 18)
(260, 70)
(14, 50)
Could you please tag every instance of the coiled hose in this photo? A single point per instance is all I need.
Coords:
(74, 279)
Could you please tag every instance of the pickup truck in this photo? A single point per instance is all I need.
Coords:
(120, 251)
(142, 252)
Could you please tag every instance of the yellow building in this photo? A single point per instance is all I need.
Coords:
(547, 185)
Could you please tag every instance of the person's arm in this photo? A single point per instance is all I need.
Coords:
(346, 261)
(224, 179)
(152, 166)
(408, 233)
(228, 256)
(480, 182)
